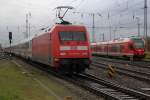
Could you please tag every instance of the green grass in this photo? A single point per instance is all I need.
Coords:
(14, 85)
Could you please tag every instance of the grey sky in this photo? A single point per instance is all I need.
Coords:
(13, 13)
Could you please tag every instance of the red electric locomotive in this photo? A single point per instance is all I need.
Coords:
(126, 47)
(65, 47)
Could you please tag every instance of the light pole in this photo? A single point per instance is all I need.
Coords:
(103, 37)
(93, 28)
(28, 24)
(138, 25)
(93, 22)
(115, 30)
(145, 22)
(28, 27)
(145, 19)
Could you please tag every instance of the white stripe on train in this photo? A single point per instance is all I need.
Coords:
(62, 48)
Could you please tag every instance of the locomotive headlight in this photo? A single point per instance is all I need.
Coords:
(84, 53)
(56, 60)
(62, 48)
(62, 53)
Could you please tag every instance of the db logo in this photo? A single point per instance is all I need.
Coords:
(73, 47)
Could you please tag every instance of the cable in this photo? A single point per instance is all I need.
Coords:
(119, 12)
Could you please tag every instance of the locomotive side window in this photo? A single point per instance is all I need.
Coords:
(25, 45)
(122, 47)
(72, 36)
(114, 48)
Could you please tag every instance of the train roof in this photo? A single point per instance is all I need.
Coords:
(120, 40)
(68, 25)
(57, 26)
(124, 39)
(23, 41)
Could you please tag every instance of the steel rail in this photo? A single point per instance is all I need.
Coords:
(125, 72)
(116, 90)
(144, 64)
(100, 88)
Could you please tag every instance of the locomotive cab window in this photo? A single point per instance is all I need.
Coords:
(72, 36)
(139, 43)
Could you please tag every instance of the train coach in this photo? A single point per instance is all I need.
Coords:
(65, 48)
(133, 47)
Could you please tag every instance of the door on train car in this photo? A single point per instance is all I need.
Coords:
(50, 56)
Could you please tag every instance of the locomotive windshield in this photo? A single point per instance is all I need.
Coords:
(72, 36)
(139, 43)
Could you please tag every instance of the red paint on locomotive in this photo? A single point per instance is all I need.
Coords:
(63, 45)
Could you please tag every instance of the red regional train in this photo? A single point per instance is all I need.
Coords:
(65, 47)
(126, 47)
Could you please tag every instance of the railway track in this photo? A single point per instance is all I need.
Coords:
(141, 75)
(108, 90)
(143, 64)
(97, 86)
(4, 56)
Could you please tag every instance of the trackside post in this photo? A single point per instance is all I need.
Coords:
(111, 71)
(10, 41)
